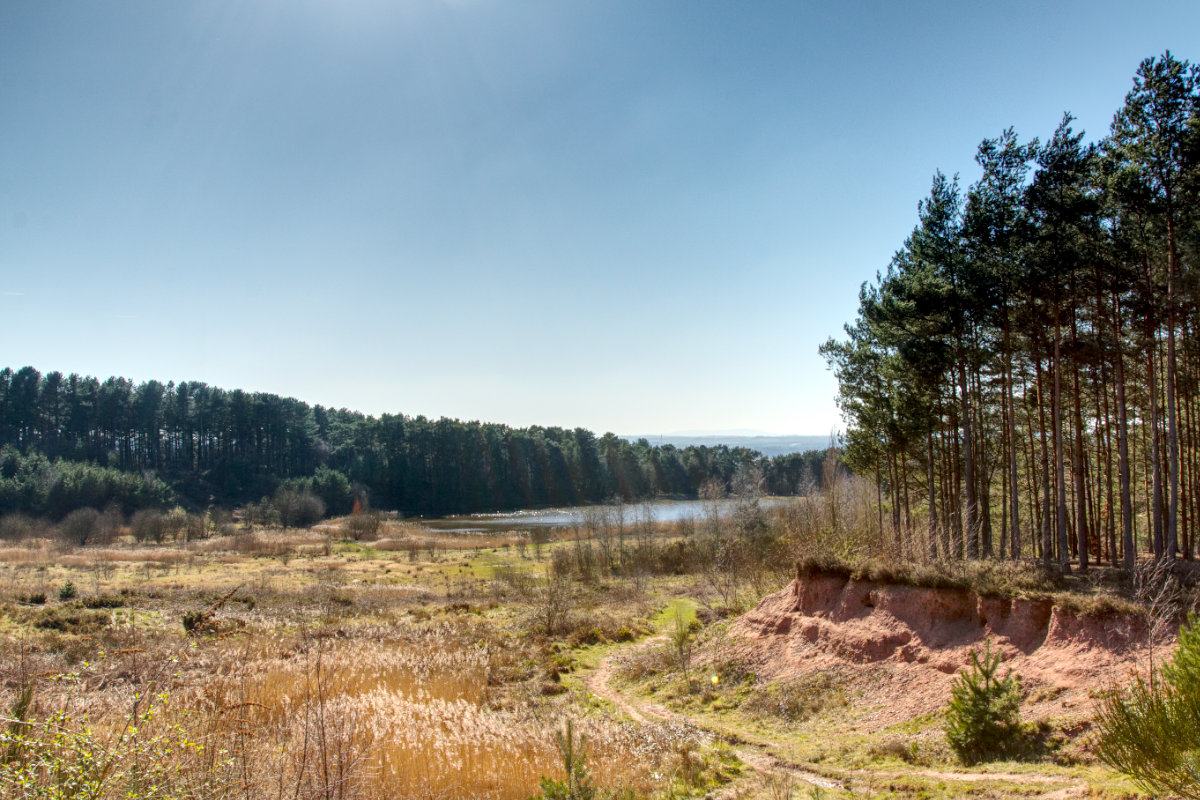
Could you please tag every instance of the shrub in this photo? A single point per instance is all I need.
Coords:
(148, 525)
(195, 621)
(67, 592)
(1151, 730)
(97, 601)
(15, 527)
(796, 700)
(298, 509)
(65, 619)
(64, 757)
(577, 785)
(983, 720)
(80, 526)
(363, 526)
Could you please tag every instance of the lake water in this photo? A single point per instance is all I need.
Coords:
(659, 511)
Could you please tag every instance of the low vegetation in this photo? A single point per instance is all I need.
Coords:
(1150, 729)
(371, 659)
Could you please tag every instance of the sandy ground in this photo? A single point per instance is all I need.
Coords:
(907, 644)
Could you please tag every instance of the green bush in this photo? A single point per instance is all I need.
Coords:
(983, 720)
(61, 758)
(1151, 730)
(67, 592)
(577, 785)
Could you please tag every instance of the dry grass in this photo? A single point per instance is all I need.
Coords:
(267, 543)
(368, 715)
(349, 674)
(32, 552)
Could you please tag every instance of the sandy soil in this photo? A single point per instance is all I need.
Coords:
(906, 644)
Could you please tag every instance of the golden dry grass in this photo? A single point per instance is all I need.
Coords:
(369, 715)
(336, 671)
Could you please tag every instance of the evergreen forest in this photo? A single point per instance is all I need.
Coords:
(1023, 380)
(72, 442)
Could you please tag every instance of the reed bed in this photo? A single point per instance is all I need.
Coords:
(364, 716)
(267, 543)
(449, 541)
(32, 552)
(45, 552)
(158, 555)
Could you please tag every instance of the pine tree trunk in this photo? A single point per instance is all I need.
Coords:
(1172, 543)
(1064, 556)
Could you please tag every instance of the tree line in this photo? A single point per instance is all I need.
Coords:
(72, 441)
(1024, 378)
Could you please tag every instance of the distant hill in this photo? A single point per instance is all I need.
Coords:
(769, 446)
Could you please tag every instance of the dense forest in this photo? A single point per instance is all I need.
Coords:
(71, 442)
(1024, 379)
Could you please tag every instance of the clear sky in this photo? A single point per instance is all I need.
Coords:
(632, 216)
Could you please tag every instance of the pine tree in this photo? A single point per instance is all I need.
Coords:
(578, 782)
(1151, 730)
(983, 720)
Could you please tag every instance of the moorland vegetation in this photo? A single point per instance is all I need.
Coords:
(1022, 393)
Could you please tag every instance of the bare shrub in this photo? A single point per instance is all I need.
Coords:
(220, 522)
(111, 522)
(839, 522)
(148, 525)
(17, 527)
(554, 599)
(268, 543)
(80, 526)
(263, 513)
(298, 509)
(363, 526)
(522, 584)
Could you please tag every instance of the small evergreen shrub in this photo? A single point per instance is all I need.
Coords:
(983, 722)
(1151, 730)
(577, 785)
(67, 592)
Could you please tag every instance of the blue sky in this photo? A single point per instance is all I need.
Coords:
(631, 216)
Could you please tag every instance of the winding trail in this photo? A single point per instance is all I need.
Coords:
(769, 767)
(754, 755)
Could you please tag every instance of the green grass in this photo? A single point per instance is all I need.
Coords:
(684, 606)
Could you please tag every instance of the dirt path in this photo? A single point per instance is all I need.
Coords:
(753, 755)
(768, 767)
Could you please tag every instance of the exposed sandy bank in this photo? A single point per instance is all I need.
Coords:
(901, 646)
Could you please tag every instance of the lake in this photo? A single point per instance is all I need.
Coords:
(659, 511)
